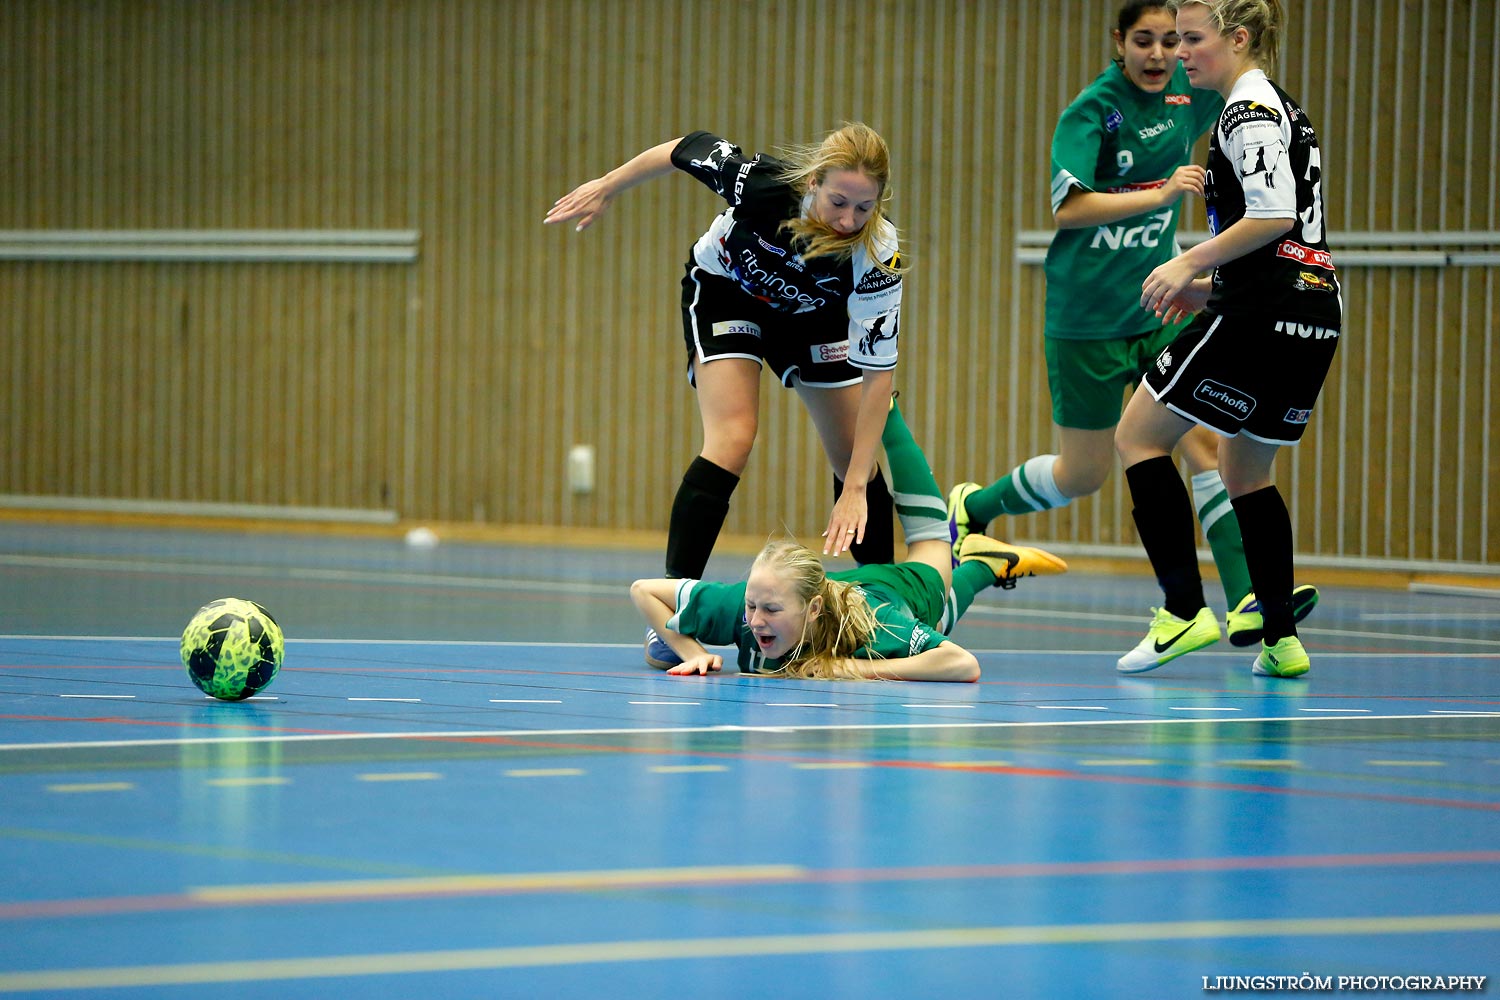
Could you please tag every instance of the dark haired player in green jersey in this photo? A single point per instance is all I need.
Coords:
(1121, 164)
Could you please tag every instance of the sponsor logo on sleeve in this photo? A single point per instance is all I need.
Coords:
(883, 329)
(736, 328)
(1245, 113)
(1225, 398)
(770, 247)
(1261, 160)
(1113, 120)
(876, 280)
(1179, 98)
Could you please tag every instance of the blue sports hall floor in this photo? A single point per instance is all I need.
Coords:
(465, 783)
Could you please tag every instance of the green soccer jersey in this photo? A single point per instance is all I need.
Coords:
(1116, 137)
(714, 614)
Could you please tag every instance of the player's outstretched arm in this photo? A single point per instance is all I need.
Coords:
(947, 661)
(656, 600)
(589, 200)
(1086, 209)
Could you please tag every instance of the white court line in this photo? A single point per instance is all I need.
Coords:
(1008, 652)
(1453, 711)
(1427, 616)
(308, 573)
(450, 734)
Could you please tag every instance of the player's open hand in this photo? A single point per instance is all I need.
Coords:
(698, 665)
(847, 523)
(587, 202)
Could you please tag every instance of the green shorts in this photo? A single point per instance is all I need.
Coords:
(1088, 378)
(915, 588)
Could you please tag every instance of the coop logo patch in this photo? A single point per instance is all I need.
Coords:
(736, 327)
(1179, 98)
(823, 353)
(1225, 398)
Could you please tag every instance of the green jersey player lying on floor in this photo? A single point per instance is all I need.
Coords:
(790, 618)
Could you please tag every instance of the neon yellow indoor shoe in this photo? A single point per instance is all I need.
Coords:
(1168, 638)
(1245, 624)
(958, 518)
(1283, 658)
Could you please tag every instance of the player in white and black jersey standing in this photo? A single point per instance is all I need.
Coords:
(800, 272)
(1251, 364)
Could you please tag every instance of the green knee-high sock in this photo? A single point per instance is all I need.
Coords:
(1026, 489)
(919, 500)
(969, 579)
(1221, 526)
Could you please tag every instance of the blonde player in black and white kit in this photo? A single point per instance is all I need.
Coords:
(800, 272)
(1251, 364)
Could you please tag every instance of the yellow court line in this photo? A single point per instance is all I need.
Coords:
(726, 947)
(399, 776)
(1405, 763)
(1118, 762)
(537, 881)
(1252, 762)
(95, 786)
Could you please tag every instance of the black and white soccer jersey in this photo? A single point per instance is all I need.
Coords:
(746, 245)
(1264, 163)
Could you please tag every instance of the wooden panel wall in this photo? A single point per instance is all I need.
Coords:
(453, 388)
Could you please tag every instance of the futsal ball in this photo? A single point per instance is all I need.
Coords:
(232, 648)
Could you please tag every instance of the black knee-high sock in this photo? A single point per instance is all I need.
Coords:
(698, 514)
(879, 545)
(1164, 518)
(1266, 527)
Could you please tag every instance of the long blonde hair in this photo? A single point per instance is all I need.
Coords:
(857, 147)
(1261, 18)
(843, 625)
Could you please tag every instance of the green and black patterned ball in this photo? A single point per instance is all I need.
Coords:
(232, 648)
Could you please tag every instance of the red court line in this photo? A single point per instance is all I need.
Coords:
(111, 720)
(949, 767)
(166, 902)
